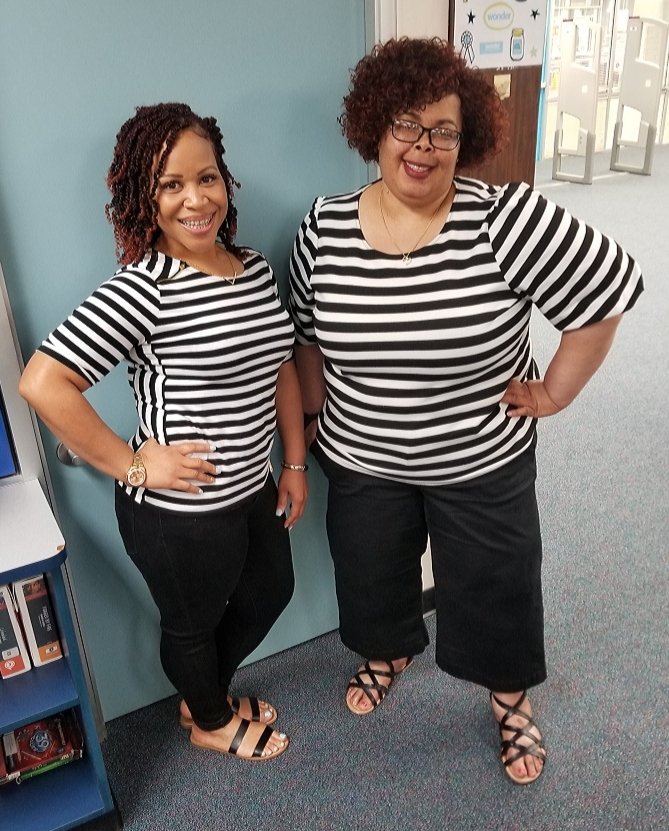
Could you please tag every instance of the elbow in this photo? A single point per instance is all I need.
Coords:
(39, 381)
(28, 387)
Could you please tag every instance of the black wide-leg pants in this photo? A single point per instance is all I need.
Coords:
(486, 550)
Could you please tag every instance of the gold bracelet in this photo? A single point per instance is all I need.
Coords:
(301, 468)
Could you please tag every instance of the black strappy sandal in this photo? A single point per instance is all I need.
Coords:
(258, 754)
(535, 748)
(373, 686)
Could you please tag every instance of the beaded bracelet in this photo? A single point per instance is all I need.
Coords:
(301, 468)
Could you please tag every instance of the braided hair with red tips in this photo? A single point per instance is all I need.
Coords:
(142, 146)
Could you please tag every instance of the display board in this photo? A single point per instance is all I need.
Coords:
(505, 33)
(21, 454)
(8, 466)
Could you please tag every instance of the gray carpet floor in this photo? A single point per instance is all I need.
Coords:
(428, 758)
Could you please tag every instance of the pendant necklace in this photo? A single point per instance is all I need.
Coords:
(232, 279)
(406, 255)
(183, 264)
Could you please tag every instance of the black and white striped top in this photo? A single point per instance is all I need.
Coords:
(418, 356)
(203, 359)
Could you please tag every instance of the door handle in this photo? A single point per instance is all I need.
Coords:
(68, 457)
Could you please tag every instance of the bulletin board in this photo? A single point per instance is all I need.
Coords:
(499, 33)
(8, 465)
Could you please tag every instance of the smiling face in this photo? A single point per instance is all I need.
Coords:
(191, 197)
(417, 174)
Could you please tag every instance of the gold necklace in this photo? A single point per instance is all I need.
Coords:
(184, 264)
(232, 279)
(406, 255)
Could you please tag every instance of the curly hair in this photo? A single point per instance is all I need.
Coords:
(408, 74)
(133, 176)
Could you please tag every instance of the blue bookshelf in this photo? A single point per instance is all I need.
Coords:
(76, 795)
(67, 797)
(45, 690)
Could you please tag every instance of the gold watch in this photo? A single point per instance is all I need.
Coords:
(136, 475)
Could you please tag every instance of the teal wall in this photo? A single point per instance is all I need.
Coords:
(71, 71)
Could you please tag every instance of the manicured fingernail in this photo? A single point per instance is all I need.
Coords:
(278, 512)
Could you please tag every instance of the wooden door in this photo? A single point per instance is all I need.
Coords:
(516, 162)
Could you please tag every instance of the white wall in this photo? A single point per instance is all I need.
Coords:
(414, 18)
(658, 9)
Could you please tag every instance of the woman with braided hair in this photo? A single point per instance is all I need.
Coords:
(209, 350)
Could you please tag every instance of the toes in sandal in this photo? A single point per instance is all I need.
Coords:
(513, 749)
(261, 711)
(259, 753)
(267, 716)
(373, 685)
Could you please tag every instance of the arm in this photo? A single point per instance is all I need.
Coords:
(579, 355)
(292, 483)
(309, 360)
(302, 305)
(56, 393)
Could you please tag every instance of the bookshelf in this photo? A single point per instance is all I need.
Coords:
(76, 795)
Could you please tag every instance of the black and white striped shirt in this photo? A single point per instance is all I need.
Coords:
(203, 356)
(418, 355)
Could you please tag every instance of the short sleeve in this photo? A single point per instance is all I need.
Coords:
(104, 330)
(574, 274)
(302, 261)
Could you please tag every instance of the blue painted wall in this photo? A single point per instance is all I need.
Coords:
(71, 71)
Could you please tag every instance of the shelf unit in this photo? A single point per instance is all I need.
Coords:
(76, 795)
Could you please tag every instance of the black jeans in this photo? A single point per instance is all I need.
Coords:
(220, 580)
(486, 557)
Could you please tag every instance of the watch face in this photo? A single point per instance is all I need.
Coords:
(136, 476)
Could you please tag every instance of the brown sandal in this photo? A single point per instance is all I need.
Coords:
(258, 754)
(374, 685)
(528, 731)
(269, 713)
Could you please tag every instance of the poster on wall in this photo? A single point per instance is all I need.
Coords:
(500, 33)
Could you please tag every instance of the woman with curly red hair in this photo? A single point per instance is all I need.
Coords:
(411, 299)
(209, 349)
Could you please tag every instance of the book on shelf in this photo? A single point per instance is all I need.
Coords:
(37, 618)
(39, 747)
(14, 657)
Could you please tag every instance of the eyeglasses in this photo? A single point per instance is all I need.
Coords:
(441, 138)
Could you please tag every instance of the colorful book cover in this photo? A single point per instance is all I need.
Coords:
(14, 658)
(41, 746)
(4, 774)
(37, 617)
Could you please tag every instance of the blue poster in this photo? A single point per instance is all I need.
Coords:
(7, 462)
